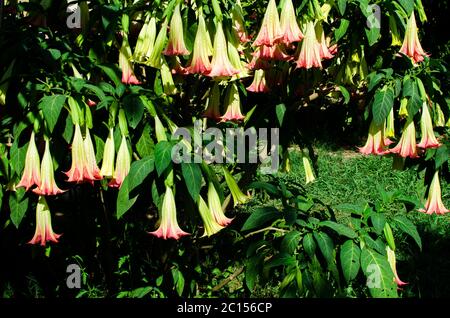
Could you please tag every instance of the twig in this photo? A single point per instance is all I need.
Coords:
(228, 279)
(269, 228)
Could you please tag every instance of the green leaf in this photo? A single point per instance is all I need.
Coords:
(408, 5)
(351, 208)
(442, 156)
(342, 4)
(99, 148)
(269, 188)
(345, 94)
(260, 217)
(281, 259)
(192, 175)
(309, 244)
(340, 32)
(382, 104)
(163, 156)
(373, 34)
(378, 220)
(326, 245)
(145, 145)
(280, 110)
(178, 281)
(112, 73)
(18, 155)
(290, 242)
(51, 107)
(374, 80)
(380, 279)
(134, 110)
(350, 255)
(124, 203)
(96, 90)
(339, 228)
(68, 129)
(408, 227)
(18, 204)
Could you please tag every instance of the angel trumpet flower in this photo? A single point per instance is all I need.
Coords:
(91, 161)
(426, 125)
(176, 45)
(233, 102)
(48, 185)
(411, 44)
(32, 171)
(323, 48)
(270, 32)
(238, 22)
(406, 147)
(123, 163)
(259, 83)
(434, 202)
(168, 226)
(210, 225)
(375, 141)
(154, 59)
(145, 41)
(389, 128)
(236, 193)
(309, 174)
(220, 64)
(44, 231)
(310, 53)
(274, 52)
(213, 104)
(289, 26)
(107, 169)
(216, 207)
(392, 263)
(125, 65)
(200, 63)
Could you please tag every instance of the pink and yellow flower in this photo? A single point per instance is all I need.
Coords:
(270, 32)
(209, 223)
(323, 48)
(48, 185)
(426, 125)
(407, 147)
(411, 44)
(200, 63)
(91, 161)
(168, 224)
(233, 104)
(274, 52)
(259, 84)
(216, 207)
(125, 65)
(434, 202)
(289, 26)
(176, 45)
(220, 64)
(309, 54)
(32, 171)
(392, 263)
(107, 169)
(44, 231)
(375, 141)
(123, 163)
(238, 23)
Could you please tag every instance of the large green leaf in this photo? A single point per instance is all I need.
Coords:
(326, 245)
(339, 228)
(382, 104)
(51, 107)
(290, 242)
(18, 203)
(342, 4)
(163, 156)
(442, 156)
(192, 175)
(350, 255)
(145, 145)
(134, 110)
(409, 228)
(260, 217)
(378, 220)
(309, 245)
(281, 259)
(380, 279)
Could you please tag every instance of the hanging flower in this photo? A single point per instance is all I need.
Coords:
(426, 125)
(309, 174)
(274, 52)
(392, 263)
(210, 225)
(289, 26)
(406, 147)
(145, 41)
(107, 169)
(48, 185)
(200, 63)
(434, 202)
(411, 45)
(258, 63)
(91, 162)
(389, 128)
(220, 64)
(233, 104)
(238, 23)
(213, 104)
(236, 62)
(375, 141)
(236, 193)
(123, 163)
(44, 231)
(323, 48)
(309, 53)
(154, 59)
(216, 207)
(125, 65)
(176, 45)
(168, 224)
(259, 83)
(168, 84)
(32, 171)
(270, 32)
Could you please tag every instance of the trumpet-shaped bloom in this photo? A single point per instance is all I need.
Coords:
(406, 147)
(91, 162)
(434, 202)
(426, 125)
(274, 52)
(309, 174)
(168, 224)
(270, 32)
(392, 263)
(145, 41)
(210, 225)
(123, 163)
(200, 63)
(238, 23)
(310, 53)
(258, 63)
(176, 45)
(167, 79)
(233, 103)
(125, 65)
(411, 44)
(216, 207)
(289, 26)
(236, 193)
(236, 62)
(375, 141)
(389, 128)
(154, 59)
(259, 83)
(220, 64)
(107, 169)
(44, 231)
(48, 185)
(323, 48)
(213, 104)
(32, 171)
